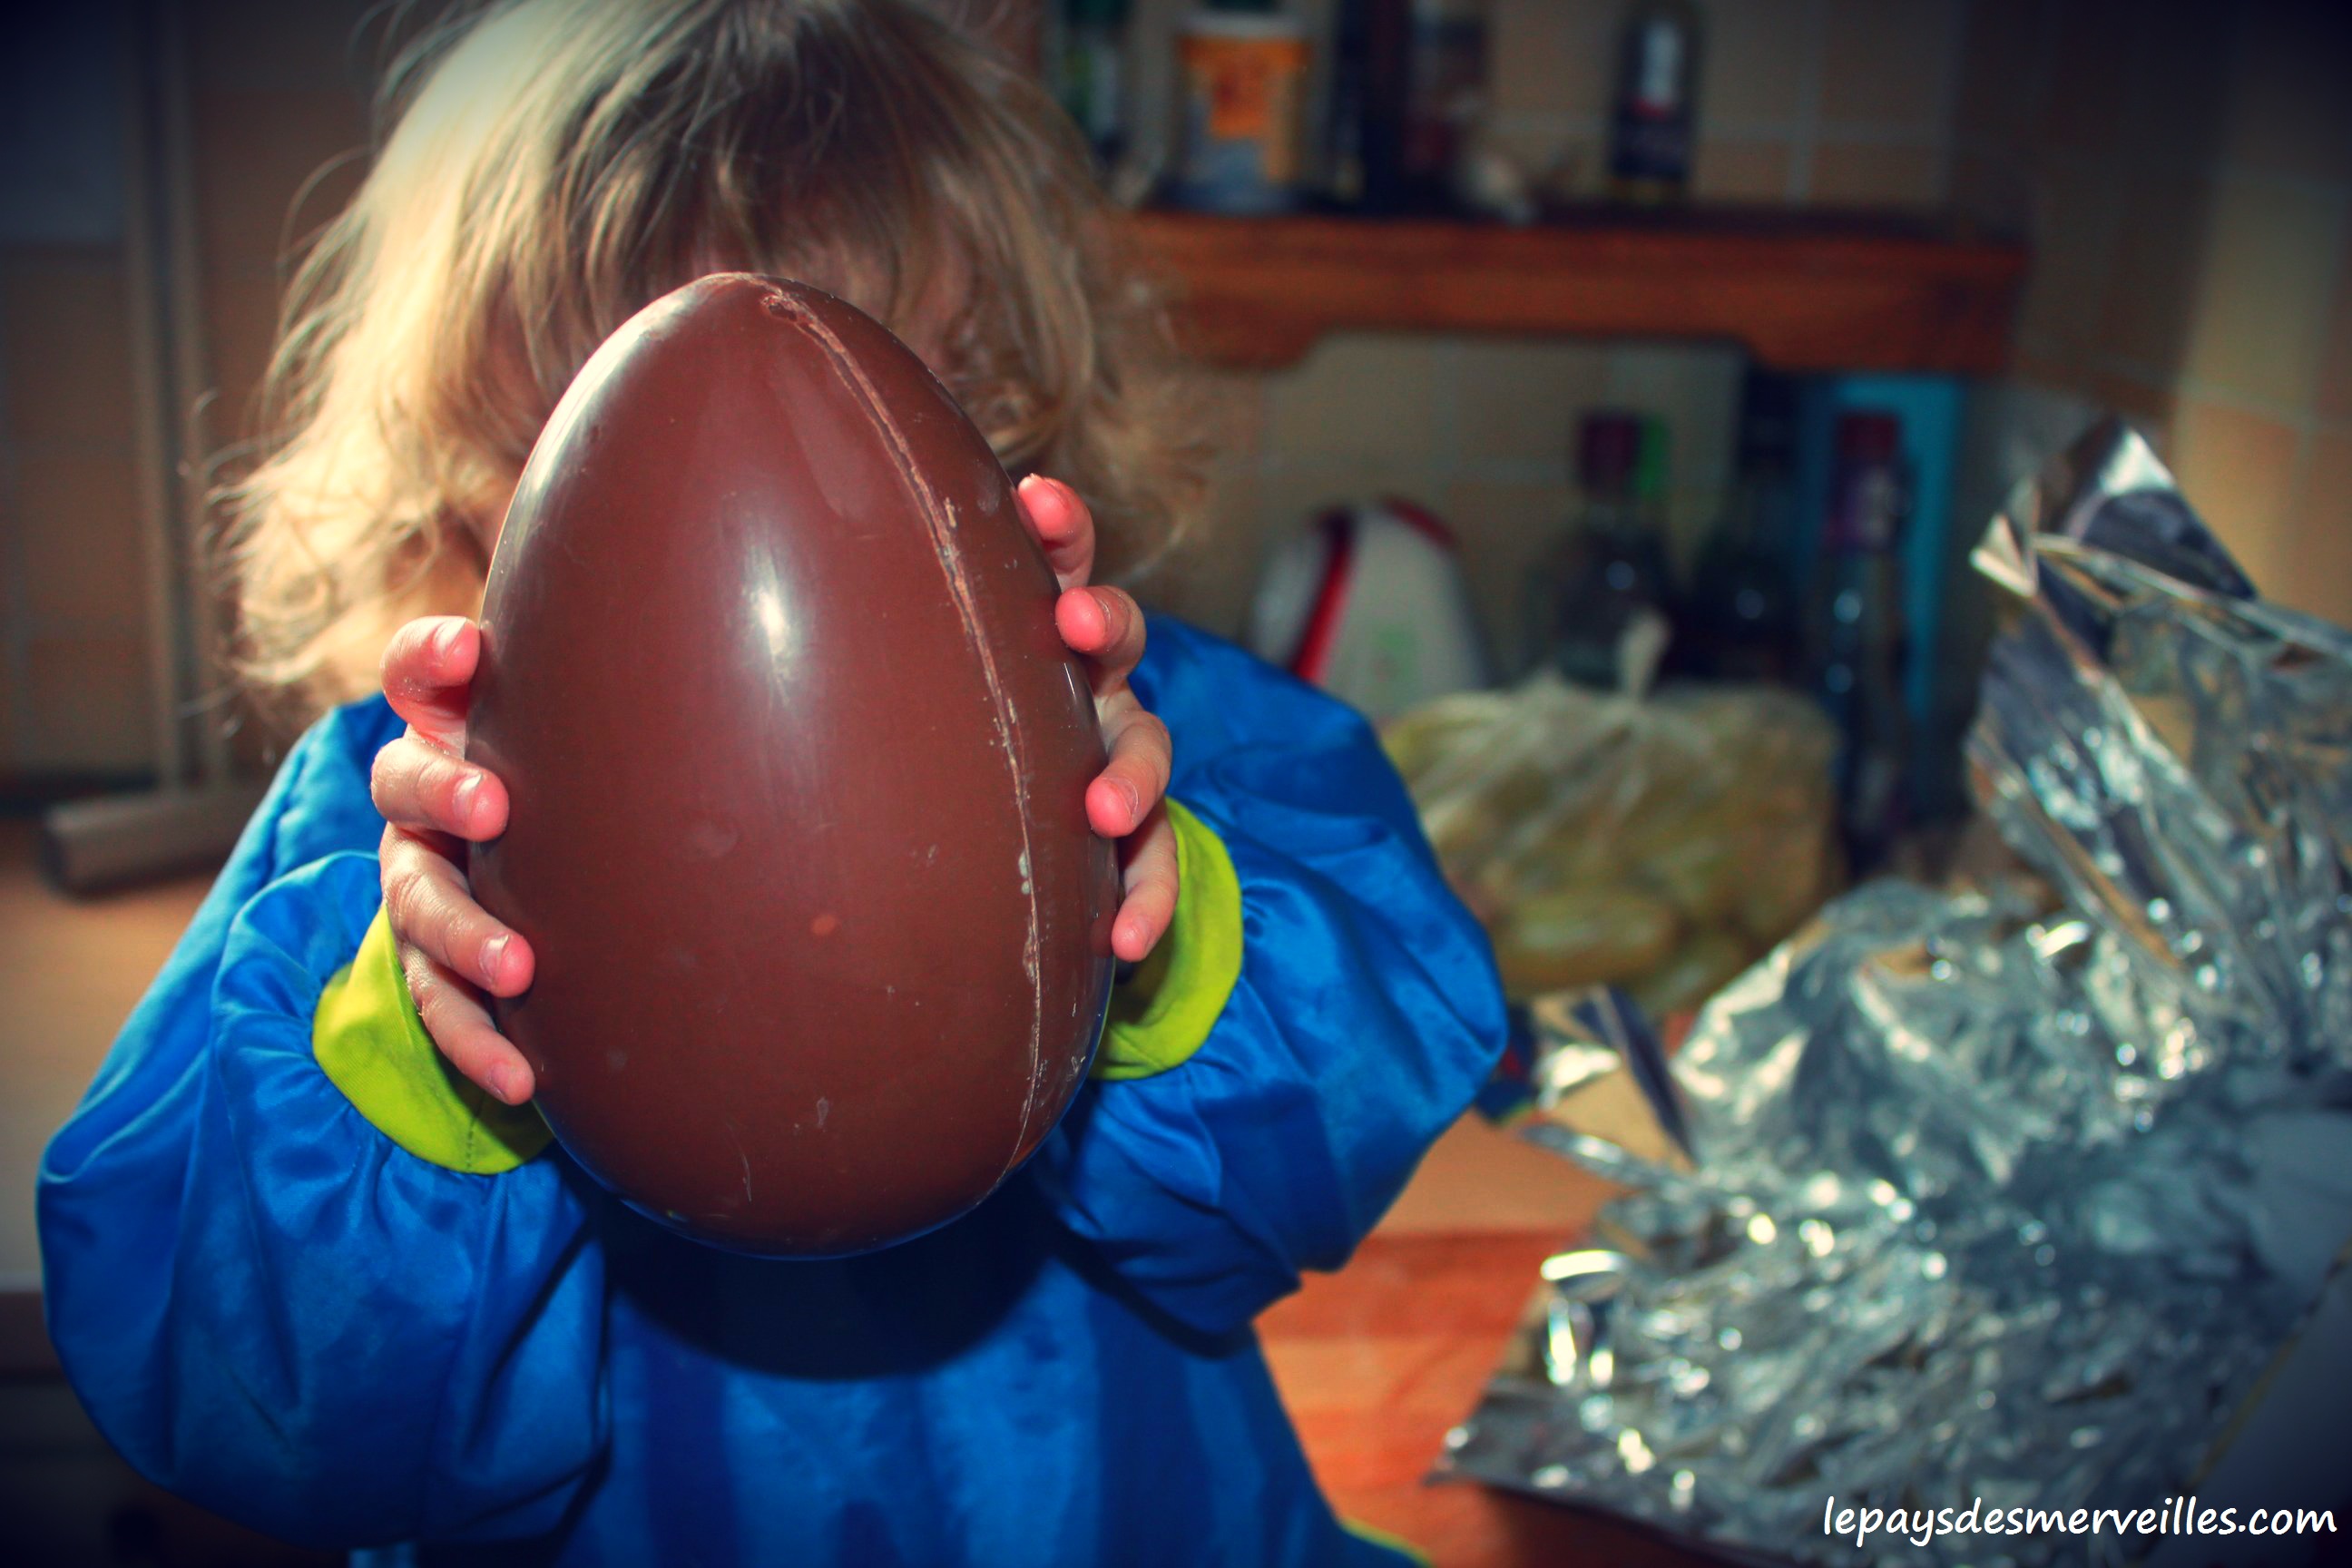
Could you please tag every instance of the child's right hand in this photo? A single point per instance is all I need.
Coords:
(431, 798)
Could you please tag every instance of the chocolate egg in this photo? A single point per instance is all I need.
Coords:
(798, 765)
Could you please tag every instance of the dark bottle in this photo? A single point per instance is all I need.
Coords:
(1408, 85)
(1364, 139)
(1653, 128)
(1741, 623)
(1610, 574)
(1855, 629)
(1445, 93)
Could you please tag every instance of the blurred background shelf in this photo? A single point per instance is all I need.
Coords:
(1800, 290)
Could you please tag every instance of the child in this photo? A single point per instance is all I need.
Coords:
(303, 1275)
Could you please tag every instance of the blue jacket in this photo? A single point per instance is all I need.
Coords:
(271, 1308)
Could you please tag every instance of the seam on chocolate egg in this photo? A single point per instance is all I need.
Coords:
(939, 518)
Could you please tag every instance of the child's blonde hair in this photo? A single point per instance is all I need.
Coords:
(552, 165)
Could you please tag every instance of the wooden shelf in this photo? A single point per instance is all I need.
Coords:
(1802, 292)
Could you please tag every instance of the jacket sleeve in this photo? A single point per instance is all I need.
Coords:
(270, 1307)
(1363, 1014)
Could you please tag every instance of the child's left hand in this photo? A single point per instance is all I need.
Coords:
(1104, 626)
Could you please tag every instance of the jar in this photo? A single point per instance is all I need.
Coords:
(1242, 76)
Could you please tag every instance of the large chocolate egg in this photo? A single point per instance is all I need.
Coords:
(798, 765)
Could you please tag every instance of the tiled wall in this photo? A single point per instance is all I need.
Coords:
(2185, 170)
(1822, 100)
(1478, 430)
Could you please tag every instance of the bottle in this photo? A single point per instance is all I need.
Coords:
(1854, 625)
(1364, 138)
(1242, 75)
(1609, 584)
(1740, 622)
(1445, 94)
(1652, 130)
(1089, 76)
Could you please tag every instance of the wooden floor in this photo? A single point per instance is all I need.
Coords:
(1377, 1361)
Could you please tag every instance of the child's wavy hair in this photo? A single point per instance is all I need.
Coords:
(553, 165)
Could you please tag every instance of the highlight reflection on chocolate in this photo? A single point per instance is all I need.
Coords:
(798, 765)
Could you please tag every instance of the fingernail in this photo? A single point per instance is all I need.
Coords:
(494, 953)
(470, 789)
(501, 1084)
(444, 637)
(1134, 802)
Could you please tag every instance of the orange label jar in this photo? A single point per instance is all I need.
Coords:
(1243, 79)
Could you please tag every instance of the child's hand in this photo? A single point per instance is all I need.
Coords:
(431, 798)
(1104, 626)
(451, 949)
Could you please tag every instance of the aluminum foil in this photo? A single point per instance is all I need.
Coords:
(1987, 1199)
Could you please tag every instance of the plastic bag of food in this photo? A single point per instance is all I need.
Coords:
(1659, 844)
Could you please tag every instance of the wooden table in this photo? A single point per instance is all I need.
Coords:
(1378, 1361)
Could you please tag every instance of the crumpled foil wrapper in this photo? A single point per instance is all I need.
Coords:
(1975, 1204)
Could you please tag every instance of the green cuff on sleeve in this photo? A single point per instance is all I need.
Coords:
(1166, 1008)
(369, 1041)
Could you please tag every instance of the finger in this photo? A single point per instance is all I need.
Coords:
(429, 907)
(1062, 524)
(1151, 888)
(1105, 626)
(462, 1030)
(428, 667)
(418, 785)
(1128, 789)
